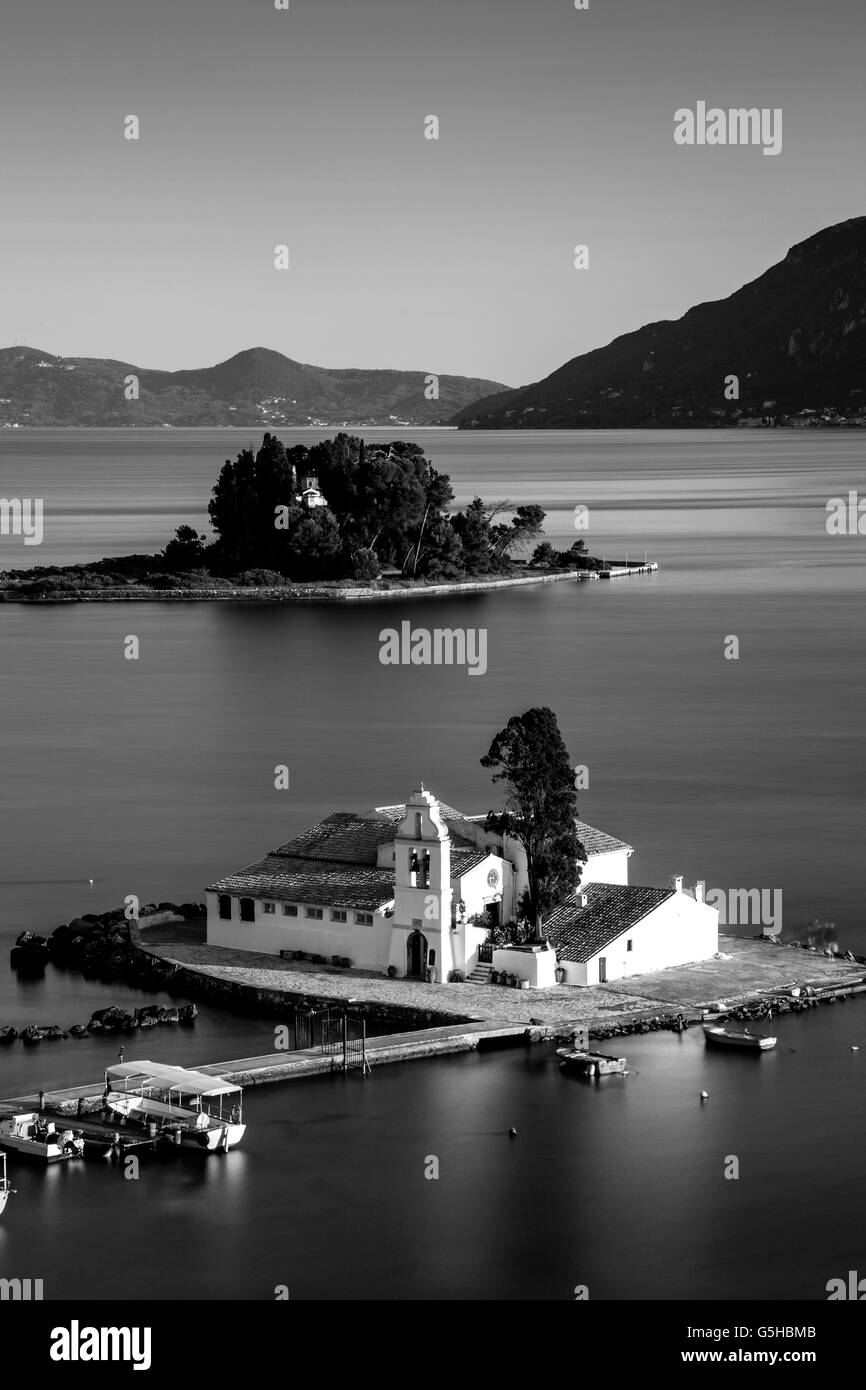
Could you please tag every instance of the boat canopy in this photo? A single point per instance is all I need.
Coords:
(194, 1083)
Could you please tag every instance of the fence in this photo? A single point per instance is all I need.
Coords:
(336, 1033)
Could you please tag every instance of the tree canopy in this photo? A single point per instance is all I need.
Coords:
(540, 809)
(385, 506)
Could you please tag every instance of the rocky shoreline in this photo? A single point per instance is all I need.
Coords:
(288, 593)
(102, 946)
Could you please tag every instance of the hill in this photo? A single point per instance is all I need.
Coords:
(795, 338)
(257, 387)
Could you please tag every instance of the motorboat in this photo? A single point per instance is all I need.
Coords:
(176, 1105)
(724, 1036)
(30, 1134)
(6, 1191)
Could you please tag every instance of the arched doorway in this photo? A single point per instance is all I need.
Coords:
(416, 955)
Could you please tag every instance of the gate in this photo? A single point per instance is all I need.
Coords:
(344, 1036)
(334, 1033)
(485, 953)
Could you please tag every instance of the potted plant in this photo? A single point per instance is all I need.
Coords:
(559, 971)
(494, 977)
(392, 972)
(430, 975)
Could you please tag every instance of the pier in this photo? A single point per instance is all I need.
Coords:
(622, 571)
(79, 1106)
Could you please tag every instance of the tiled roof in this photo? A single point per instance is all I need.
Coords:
(342, 837)
(464, 859)
(597, 841)
(297, 880)
(335, 861)
(578, 932)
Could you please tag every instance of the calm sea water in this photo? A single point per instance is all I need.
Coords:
(154, 777)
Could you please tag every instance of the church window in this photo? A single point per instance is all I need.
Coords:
(316, 913)
(417, 825)
(270, 908)
(248, 910)
(225, 903)
(364, 919)
(338, 914)
(290, 909)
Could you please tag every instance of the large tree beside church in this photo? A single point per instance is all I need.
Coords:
(540, 808)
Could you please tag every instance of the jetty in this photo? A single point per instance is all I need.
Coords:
(621, 571)
(80, 1106)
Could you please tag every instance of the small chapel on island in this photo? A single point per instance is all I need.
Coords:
(415, 890)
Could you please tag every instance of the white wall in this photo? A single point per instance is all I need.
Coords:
(537, 966)
(465, 942)
(366, 947)
(606, 868)
(677, 932)
(476, 892)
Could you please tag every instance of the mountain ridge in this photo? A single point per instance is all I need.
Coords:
(254, 387)
(795, 337)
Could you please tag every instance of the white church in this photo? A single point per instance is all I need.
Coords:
(414, 890)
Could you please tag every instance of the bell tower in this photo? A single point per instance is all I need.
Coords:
(422, 883)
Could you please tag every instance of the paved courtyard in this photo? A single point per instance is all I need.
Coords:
(752, 966)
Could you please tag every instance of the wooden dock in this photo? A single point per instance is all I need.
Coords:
(289, 1066)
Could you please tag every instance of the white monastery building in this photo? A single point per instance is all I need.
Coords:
(415, 889)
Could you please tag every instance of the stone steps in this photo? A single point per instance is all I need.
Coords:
(480, 975)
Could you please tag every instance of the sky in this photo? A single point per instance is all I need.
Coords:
(306, 127)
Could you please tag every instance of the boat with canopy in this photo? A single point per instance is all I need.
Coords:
(188, 1108)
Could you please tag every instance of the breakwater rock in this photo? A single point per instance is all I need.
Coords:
(29, 956)
(110, 1020)
(102, 946)
(659, 1023)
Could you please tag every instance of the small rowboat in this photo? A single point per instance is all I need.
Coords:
(738, 1037)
